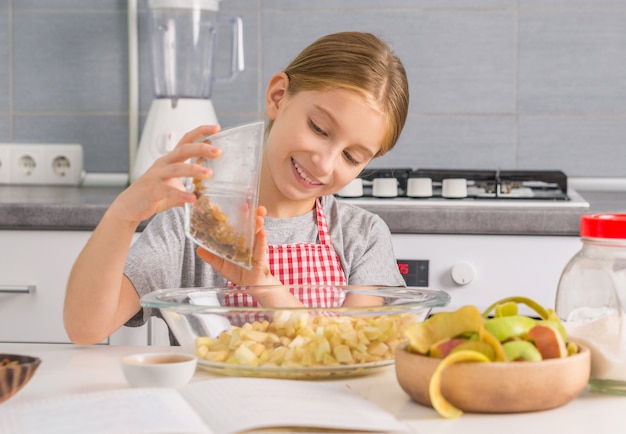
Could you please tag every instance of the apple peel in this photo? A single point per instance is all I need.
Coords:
(444, 347)
(509, 327)
(438, 401)
(467, 335)
(421, 336)
(521, 351)
(548, 341)
(479, 346)
(508, 308)
(539, 309)
(490, 339)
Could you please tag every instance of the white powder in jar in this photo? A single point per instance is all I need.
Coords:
(605, 336)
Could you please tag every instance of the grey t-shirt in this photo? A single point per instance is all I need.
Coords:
(163, 257)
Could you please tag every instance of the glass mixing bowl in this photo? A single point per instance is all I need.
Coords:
(231, 333)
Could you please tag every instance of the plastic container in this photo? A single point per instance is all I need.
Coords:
(591, 299)
(223, 218)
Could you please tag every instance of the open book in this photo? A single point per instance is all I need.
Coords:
(219, 406)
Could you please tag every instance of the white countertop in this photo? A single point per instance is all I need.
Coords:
(70, 369)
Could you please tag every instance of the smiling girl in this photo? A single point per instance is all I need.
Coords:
(340, 103)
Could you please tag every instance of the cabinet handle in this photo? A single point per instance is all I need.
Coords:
(17, 289)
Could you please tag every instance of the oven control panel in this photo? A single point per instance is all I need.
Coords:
(481, 269)
(415, 272)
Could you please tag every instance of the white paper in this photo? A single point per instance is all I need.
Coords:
(233, 405)
(124, 411)
(217, 406)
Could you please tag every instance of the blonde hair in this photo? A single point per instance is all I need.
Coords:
(358, 62)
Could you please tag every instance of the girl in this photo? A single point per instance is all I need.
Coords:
(340, 103)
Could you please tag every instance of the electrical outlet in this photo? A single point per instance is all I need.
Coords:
(26, 160)
(62, 164)
(5, 163)
(41, 164)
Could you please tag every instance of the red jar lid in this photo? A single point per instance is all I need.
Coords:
(603, 226)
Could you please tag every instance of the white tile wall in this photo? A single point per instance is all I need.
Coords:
(521, 84)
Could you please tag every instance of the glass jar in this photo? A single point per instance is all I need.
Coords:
(591, 299)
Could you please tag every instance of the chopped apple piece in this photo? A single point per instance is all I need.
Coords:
(245, 356)
(342, 354)
(296, 339)
(378, 349)
(256, 336)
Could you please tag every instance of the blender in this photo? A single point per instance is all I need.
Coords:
(184, 35)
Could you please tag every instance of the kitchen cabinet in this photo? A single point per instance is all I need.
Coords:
(34, 267)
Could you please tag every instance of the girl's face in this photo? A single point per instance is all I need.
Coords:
(319, 141)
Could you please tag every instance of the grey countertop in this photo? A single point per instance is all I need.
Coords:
(81, 208)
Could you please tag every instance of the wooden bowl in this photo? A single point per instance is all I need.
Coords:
(496, 387)
(15, 371)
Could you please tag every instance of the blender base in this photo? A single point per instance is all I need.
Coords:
(165, 125)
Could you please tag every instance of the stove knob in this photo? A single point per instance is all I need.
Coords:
(419, 187)
(385, 187)
(454, 188)
(462, 273)
(353, 189)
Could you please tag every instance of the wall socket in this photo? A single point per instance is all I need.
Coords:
(41, 164)
(5, 164)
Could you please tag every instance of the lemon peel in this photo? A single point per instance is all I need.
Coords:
(438, 401)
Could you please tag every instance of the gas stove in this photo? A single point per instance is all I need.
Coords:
(457, 248)
(450, 187)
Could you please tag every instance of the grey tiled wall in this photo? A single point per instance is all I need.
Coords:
(526, 84)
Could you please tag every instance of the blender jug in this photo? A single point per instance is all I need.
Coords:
(184, 36)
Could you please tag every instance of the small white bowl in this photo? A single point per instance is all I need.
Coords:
(159, 369)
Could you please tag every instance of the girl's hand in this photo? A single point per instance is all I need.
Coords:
(260, 272)
(161, 187)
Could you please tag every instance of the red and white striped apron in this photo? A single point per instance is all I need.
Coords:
(304, 264)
